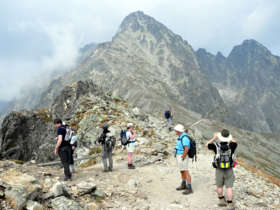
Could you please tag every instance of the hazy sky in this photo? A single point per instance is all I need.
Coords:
(39, 36)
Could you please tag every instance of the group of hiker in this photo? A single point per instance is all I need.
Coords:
(222, 144)
(67, 143)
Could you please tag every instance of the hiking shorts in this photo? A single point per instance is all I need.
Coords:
(130, 147)
(224, 177)
(183, 165)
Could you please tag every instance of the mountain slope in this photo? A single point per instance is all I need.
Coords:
(151, 67)
(248, 81)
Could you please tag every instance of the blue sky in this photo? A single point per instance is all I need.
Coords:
(38, 36)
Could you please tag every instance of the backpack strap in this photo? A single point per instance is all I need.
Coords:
(181, 140)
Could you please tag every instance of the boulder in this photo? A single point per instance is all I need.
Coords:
(32, 205)
(63, 203)
(86, 187)
(16, 197)
(91, 206)
(58, 189)
(16, 182)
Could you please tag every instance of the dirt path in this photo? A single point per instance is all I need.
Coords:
(153, 186)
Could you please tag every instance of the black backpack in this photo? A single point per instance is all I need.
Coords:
(110, 143)
(192, 150)
(223, 159)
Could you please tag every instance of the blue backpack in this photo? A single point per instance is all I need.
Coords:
(167, 114)
(124, 140)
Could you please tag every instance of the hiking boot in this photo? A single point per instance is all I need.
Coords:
(110, 169)
(182, 187)
(222, 202)
(67, 179)
(131, 166)
(188, 191)
(105, 170)
(230, 206)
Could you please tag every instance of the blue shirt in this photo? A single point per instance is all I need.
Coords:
(182, 141)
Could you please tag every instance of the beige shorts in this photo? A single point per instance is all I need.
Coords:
(130, 147)
(183, 165)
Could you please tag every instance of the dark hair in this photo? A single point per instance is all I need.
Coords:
(105, 126)
(57, 121)
(225, 133)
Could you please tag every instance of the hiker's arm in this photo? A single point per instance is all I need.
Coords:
(211, 140)
(59, 140)
(186, 149)
(133, 133)
(233, 140)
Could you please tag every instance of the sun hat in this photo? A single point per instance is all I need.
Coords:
(224, 136)
(129, 125)
(179, 128)
(109, 134)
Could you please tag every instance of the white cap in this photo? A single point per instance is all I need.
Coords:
(129, 125)
(224, 139)
(109, 134)
(179, 128)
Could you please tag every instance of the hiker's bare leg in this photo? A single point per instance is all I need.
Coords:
(183, 175)
(129, 157)
(188, 177)
(229, 194)
(220, 191)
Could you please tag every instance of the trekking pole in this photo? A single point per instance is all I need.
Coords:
(195, 123)
(58, 162)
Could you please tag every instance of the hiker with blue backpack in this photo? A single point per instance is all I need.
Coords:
(168, 114)
(183, 147)
(128, 140)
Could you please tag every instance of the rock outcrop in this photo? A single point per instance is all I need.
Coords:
(28, 135)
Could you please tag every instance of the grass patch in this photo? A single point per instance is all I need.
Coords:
(20, 162)
(45, 115)
(95, 150)
(89, 163)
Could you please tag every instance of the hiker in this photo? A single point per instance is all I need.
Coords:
(63, 148)
(181, 154)
(107, 140)
(169, 116)
(130, 135)
(223, 162)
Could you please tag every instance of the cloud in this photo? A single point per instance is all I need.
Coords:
(40, 36)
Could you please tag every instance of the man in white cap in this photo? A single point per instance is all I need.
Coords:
(130, 135)
(223, 162)
(181, 153)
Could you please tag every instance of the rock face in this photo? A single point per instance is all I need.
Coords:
(28, 135)
(248, 81)
(67, 102)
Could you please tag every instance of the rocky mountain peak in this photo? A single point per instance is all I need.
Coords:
(249, 50)
(142, 23)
